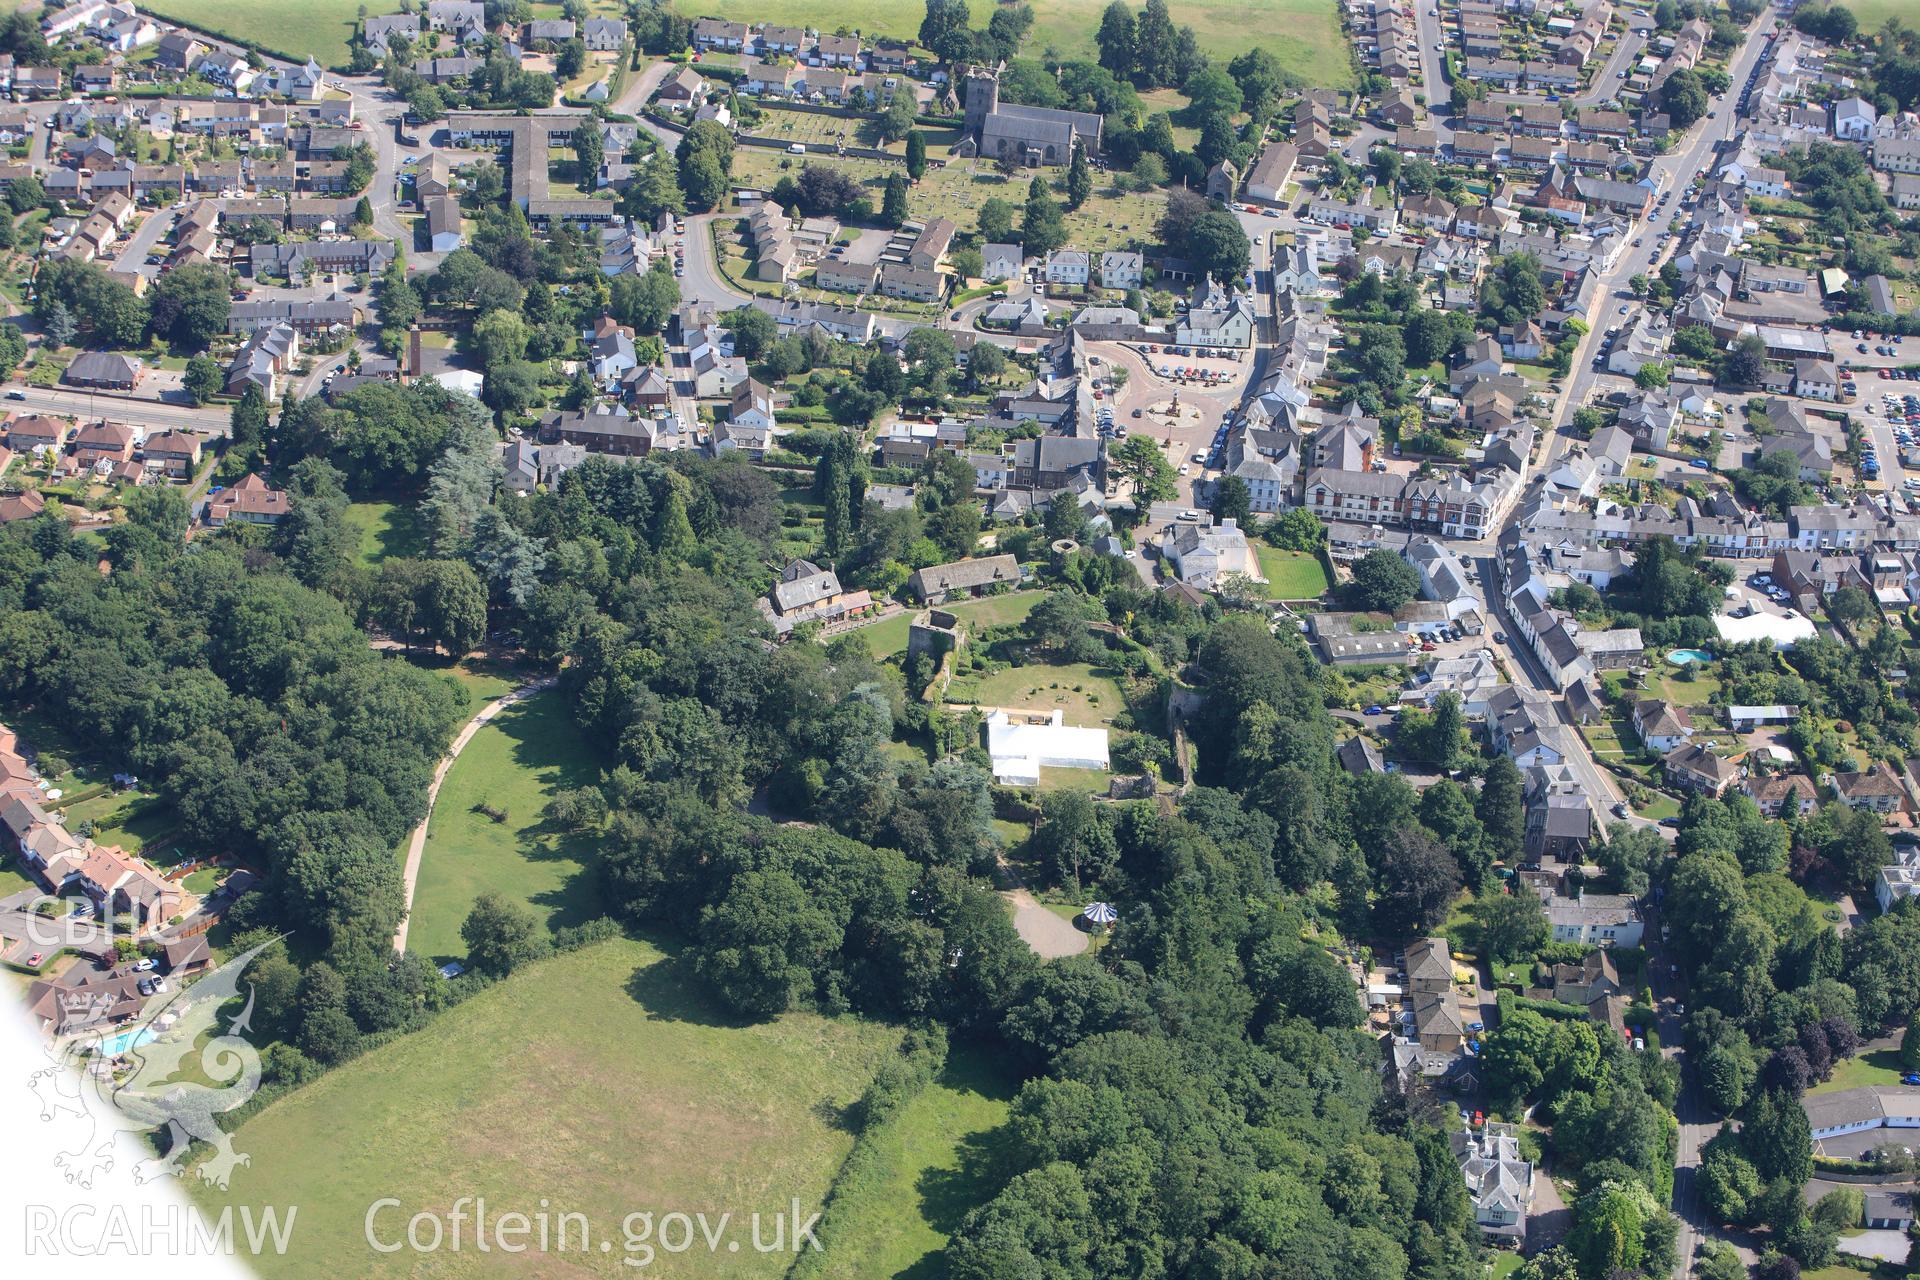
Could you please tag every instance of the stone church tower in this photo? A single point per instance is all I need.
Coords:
(982, 98)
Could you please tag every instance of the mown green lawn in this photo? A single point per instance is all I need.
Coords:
(938, 1157)
(1291, 575)
(1697, 692)
(601, 1082)
(1088, 695)
(1882, 1066)
(1110, 219)
(318, 27)
(125, 818)
(387, 530)
(889, 636)
(1662, 806)
(514, 764)
(1871, 13)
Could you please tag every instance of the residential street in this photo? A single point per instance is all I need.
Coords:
(1672, 174)
(153, 415)
(154, 230)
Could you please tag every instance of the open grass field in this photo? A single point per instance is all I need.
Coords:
(514, 763)
(1872, 13)
(387, 530)
(889, 636)
(1881, 1067)
(600, 1082)
(318, 27)
(480, 680)
(1108, 220)
(1303, 34)
(936, 1155)
(1291, 575)
(1088, 695)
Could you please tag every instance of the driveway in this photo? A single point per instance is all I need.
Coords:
(1050, 936)
(1886, 1245)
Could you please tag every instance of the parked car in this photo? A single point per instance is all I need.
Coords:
(143, 964)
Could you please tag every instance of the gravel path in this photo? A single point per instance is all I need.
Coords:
(1050, 936)
(417, 844)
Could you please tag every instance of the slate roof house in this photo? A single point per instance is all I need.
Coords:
(939, 583)
(1205, 555)
(1596, 919)
(1499, 1181)
(807, 593)
(104, 370)
(1662, 725)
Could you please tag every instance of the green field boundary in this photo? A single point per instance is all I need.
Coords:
(865, 1170)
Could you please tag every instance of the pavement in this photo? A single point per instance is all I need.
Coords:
(135, 411)
(381, 112)
(1672, 174)
(153, 230)
(1204, 407)
(1432, 28)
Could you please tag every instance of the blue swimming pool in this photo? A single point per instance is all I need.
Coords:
(1688, 657)
(127, 1041)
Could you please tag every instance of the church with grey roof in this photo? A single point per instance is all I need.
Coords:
(1033, 136)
